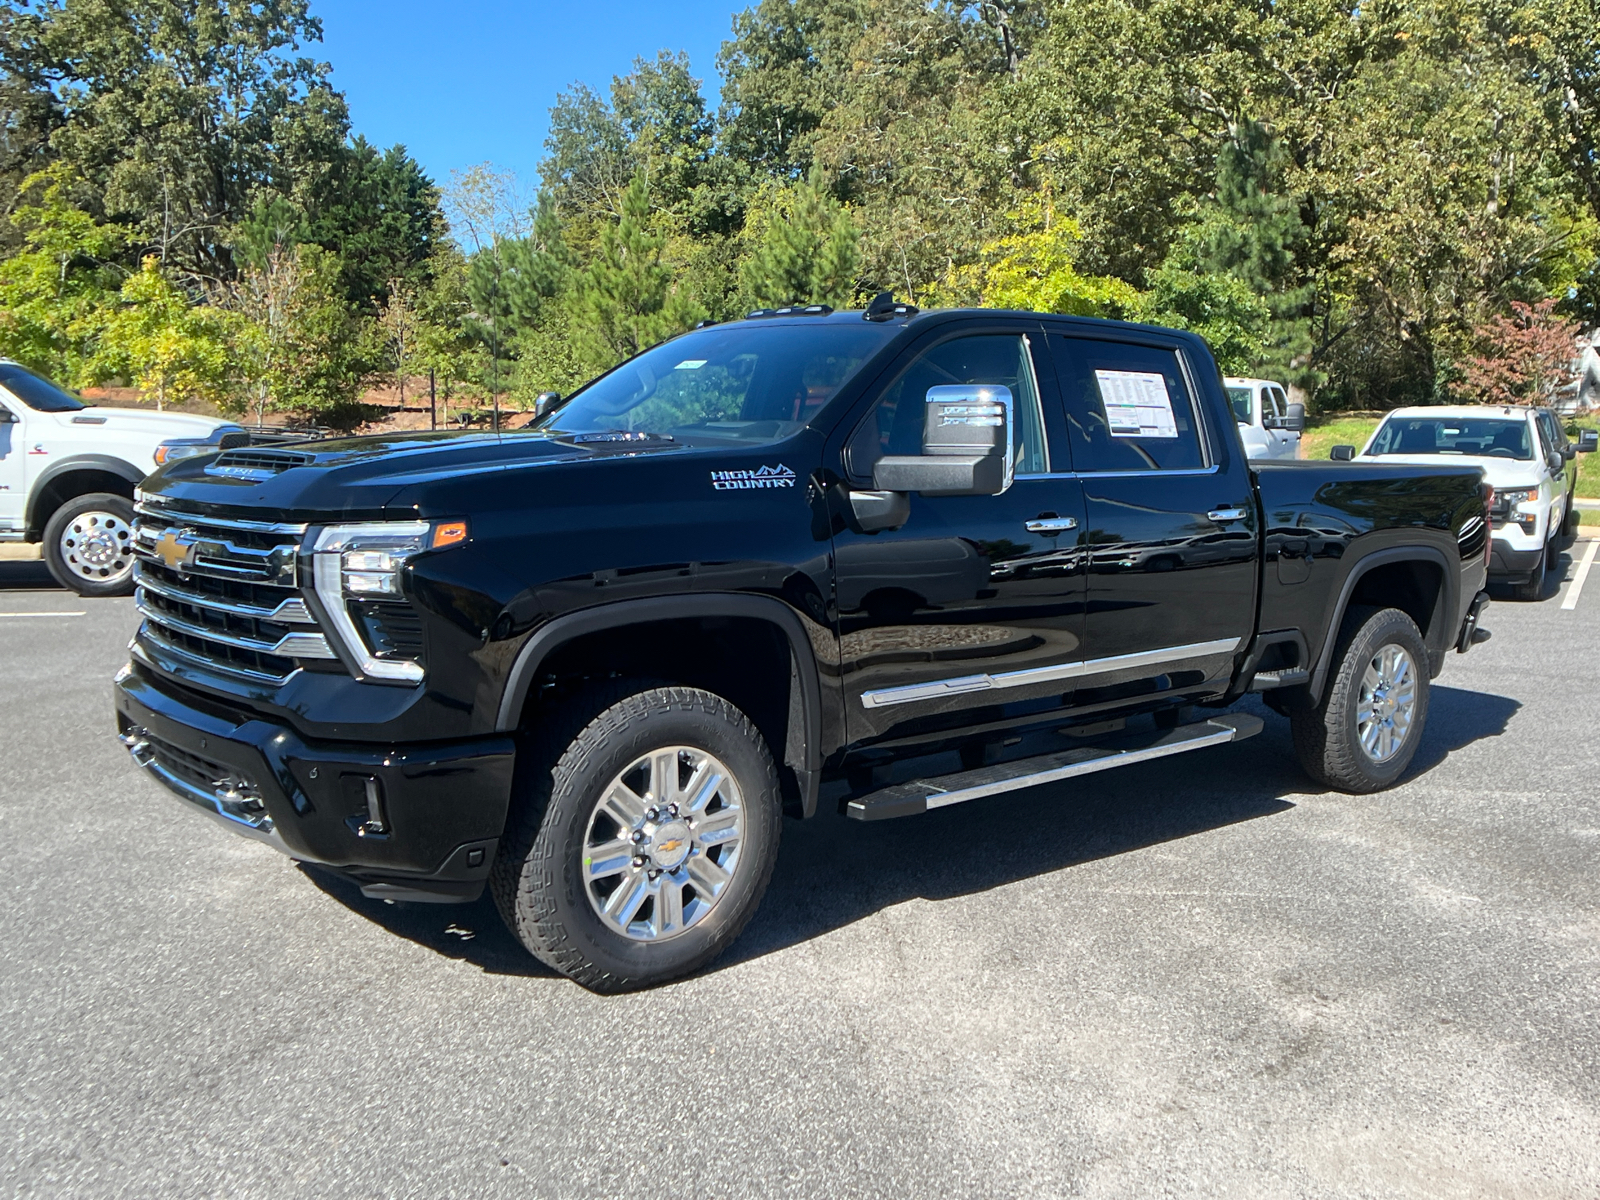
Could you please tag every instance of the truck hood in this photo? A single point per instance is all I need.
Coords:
(1498, 472)
(369, 473)
(136, 421)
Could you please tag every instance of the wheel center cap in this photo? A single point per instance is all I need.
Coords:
(670, 845)
(99, 548)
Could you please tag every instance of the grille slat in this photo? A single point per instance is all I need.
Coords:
(223, 593)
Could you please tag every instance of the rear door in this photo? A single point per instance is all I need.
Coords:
(1171, 529)
(975, 604)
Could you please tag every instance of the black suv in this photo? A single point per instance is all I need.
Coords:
(900, 559)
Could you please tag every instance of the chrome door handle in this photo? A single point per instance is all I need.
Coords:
(1050, 524)
(1227, 514)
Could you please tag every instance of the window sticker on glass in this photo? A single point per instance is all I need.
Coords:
(1137, 404)
(690, 364)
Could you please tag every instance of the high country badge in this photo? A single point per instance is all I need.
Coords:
(762, 477)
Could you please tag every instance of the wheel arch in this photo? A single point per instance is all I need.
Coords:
(78, 476)
(800, 748)
(1423, 584)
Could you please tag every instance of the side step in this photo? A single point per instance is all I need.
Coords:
(919, 795)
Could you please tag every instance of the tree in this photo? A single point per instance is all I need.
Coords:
(624, 300)
(57, 291)
(1036, 271)
(400, 326)
(808, 252)
(1531, 354)
(170, 347)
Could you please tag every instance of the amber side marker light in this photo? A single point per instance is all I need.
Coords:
(448, 533)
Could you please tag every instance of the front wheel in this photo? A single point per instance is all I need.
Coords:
(1362, 736)
(641, 838)
(88, 545)
(1533, 589)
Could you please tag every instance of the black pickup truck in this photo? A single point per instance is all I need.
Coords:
(897, 560)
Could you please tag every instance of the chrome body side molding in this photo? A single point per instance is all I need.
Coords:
(884, 697)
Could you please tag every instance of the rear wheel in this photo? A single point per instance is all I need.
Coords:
(88, 545)
(642, 837)
(1362, 736)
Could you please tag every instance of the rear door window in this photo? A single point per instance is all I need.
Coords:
(1128, 407)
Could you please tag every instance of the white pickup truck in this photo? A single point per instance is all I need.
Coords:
(1269, 425)
(68, 470)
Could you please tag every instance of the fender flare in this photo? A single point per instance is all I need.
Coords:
(801, 753)
(80, 462)
(1445, 606)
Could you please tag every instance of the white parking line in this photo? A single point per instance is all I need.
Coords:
(1576, 587)
(4, 616)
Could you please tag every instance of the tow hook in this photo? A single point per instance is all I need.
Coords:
(1471, 635)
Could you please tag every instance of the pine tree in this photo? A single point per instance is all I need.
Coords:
(1254, 233)
(624, 300)
(808, 254)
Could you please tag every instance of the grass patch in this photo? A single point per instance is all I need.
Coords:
(1589, 516)
(1337, 429)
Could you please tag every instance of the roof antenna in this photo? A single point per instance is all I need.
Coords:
(884, 306)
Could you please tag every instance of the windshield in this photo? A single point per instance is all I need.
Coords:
(741, 383)
(1481, 437)
(37, 392)
(1239, 399)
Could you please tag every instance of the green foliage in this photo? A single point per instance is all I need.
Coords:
(1221, 308)
(1036, 271)
(807, 250)
(56, 292)
(624, 301)
(170, 347)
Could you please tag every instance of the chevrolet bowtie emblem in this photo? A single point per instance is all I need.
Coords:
(173, 549)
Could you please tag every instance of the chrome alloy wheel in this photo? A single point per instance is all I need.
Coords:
(98, 546)
(1388, 703)
(663, 843)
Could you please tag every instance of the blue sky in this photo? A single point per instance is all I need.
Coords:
(473, 80)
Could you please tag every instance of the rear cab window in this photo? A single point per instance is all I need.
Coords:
(1128, 407)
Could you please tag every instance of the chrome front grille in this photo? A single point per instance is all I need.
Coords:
(224, 594)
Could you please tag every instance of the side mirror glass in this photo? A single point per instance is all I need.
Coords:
(544, 404)
(1342, 453)
(7, 417)
(1588, 439)
(1293, 419)
(967, 445)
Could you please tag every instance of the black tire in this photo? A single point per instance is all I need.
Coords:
(538, 879)
(1327, 740)
(103, 566)
(1569, 527)
(1533, 589)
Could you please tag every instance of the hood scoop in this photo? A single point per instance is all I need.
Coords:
(257, 465)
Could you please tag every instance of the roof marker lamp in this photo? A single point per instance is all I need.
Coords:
(364, 562)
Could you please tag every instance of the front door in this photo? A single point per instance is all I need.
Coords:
(13, 473)
(1170, 532)
(976, 602)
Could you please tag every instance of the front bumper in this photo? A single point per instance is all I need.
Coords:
(416, 822)
(1511, 564)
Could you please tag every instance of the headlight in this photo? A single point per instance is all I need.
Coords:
(173, 449)
(1507, 507)
(1516, 496)
(364, 562)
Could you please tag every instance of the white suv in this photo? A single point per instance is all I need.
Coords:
(1525, 456)
(1268, 424)
(68, 470)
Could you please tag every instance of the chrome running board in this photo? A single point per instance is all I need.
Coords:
(919, 795)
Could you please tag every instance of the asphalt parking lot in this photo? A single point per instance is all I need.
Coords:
(1202, 977)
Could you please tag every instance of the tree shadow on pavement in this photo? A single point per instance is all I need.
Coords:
(832, 872)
